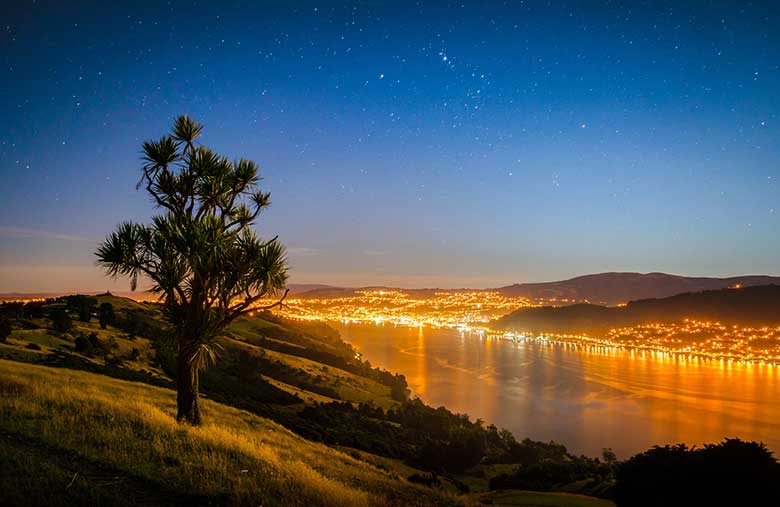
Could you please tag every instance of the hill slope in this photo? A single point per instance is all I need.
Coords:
(62, 421)
(616, 288)
(275, 372)
(751, 306)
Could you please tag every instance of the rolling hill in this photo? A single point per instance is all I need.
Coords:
(600, 288)
(751, 306)
(617, 288)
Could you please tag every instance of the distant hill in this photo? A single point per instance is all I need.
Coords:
(137, 295)
(299, 288)
(616, 288)
(327, 292)
(752, 306)
(600, 288)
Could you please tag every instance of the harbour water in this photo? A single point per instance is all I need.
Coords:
(586, 398)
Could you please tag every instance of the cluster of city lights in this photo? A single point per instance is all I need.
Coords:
(459, 309)
(472, 311)
(703, 338)
(687, 338)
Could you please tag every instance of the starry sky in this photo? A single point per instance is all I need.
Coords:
(412, 144)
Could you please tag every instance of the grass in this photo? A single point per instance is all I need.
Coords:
(246, 333)
(56, 420)
(478, 477)
(350, 387)
(29, 477)
(539, 499)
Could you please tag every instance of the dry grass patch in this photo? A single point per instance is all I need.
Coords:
(237, 457)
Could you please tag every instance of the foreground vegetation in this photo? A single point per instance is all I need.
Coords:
(300, 375)
(130, 430)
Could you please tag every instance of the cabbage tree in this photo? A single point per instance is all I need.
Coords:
(200, 252)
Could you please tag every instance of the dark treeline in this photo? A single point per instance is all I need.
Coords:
(433, 439)
(727, 474)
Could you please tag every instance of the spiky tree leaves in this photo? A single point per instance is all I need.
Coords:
(200, 253)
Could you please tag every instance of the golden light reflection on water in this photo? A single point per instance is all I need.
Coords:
(421, 368)
(586, 397)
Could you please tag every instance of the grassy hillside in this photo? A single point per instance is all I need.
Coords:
(540, 499)
(56, 423)
(288, 405)
(278, 350)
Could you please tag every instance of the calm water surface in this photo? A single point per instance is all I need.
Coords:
(585, 398)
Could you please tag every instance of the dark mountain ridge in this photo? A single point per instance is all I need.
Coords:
(601, 288)
(617, 288)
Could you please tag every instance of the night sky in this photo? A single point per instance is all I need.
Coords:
(414, 144)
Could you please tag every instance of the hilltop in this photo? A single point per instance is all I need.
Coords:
(618, 288)
(600, 288)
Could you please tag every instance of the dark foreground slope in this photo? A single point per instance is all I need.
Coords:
(749, 306)
(81, 438)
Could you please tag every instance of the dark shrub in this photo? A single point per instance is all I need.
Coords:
(89, 344)
(81, 344)
(33, 346)
(429, 480)
(82, 305)
(60, 320)
(730, 473)
(5, 329)
(106, 315)
(34, 310)
(547, 475)
(93, 340)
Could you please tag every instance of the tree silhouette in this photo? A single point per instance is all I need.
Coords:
(106, 315)
(5, 329)
(204, 261)
(60, 320)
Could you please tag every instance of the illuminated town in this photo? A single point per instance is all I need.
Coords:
(689, 338)
(457, 309)
(471, 311)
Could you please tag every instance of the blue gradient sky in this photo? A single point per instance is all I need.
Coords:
(408, 144)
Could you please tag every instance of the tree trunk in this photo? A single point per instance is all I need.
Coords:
(187, 391)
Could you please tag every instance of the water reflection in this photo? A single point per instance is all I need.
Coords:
(584, 397)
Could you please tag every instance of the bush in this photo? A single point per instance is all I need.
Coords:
(106, 315)
(89, 344)
(81, 344)
(429, 480)
(5, 329)
(547, 475)
(731, 473)
(61, 321)
(82, 305)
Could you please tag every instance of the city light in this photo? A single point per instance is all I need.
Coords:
(473, 311)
